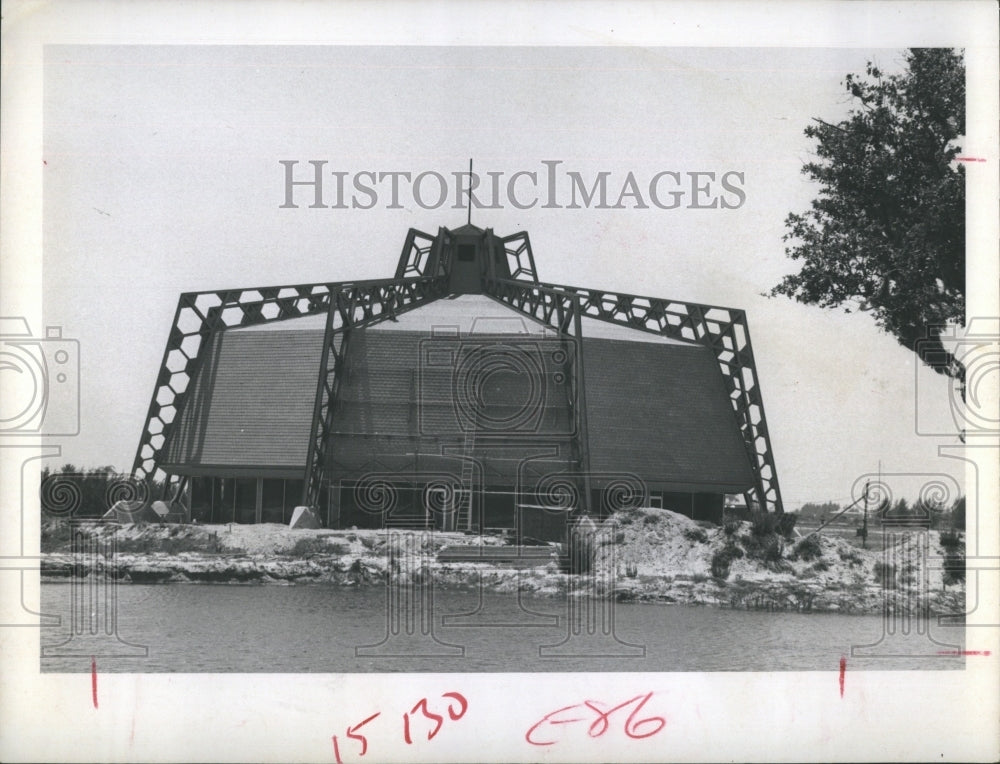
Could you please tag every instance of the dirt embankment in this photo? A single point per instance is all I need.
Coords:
(662, 556)
(650, 555)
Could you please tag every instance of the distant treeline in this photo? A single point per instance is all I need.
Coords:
(72, 492)
(941, 515)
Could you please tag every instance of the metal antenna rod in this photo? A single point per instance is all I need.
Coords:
(469, 220)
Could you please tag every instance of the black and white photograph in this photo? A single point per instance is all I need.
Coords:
(553, 383)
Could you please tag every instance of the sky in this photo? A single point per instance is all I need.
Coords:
(162, 175)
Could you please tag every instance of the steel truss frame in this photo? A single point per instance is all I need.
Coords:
(353, 307)
(723, 330)
(201, 315)
(520, 258)
(421, 277)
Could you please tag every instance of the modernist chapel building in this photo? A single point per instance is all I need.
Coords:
(462, 393)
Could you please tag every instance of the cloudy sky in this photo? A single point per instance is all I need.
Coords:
(162, 175)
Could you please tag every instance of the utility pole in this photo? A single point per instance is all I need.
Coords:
(864, 526)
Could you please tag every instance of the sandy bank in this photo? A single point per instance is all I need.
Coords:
(646, 555)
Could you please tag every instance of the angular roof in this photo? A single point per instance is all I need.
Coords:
(657, 408)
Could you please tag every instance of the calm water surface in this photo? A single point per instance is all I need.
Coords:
(329, 629)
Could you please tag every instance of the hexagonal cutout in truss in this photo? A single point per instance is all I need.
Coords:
(232, 316)
(179, 382)
(190, 345)
(165, 396)
(270, 311)
(206, 301)
(167, 414)
(188, 321)
(176, 360)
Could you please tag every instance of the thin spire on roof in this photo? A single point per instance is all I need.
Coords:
(469, 220)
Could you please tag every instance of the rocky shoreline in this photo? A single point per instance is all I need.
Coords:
(646, 555)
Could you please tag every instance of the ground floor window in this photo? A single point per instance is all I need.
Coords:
(347, 504)
(246, 500)
(272, 501)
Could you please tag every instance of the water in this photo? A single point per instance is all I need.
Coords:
(317, 628)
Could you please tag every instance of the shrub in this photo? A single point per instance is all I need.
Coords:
(821, 566)
(722, 560)
(651, 519)
(786, 525)
(958, 514)
(951, 541)
(768, 548)
(885, 574)
(721, 563)
(764, 524)
(699, 578)
(810, 548)
(732, 527)
(697, 535)
(774, 551)
(954, 568)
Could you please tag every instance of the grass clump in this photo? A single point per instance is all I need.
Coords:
(308, 546)
(850, 556)
(696, 535)
(732, 527)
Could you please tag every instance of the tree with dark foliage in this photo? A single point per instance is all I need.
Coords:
(886, 234)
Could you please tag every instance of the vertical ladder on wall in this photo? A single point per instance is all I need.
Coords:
(466, 498)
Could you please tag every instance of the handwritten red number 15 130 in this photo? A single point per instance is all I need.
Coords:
(455, 710)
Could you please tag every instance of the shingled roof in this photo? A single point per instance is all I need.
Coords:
(657, 408)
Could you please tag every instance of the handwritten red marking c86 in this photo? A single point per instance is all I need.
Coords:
(635, 727)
